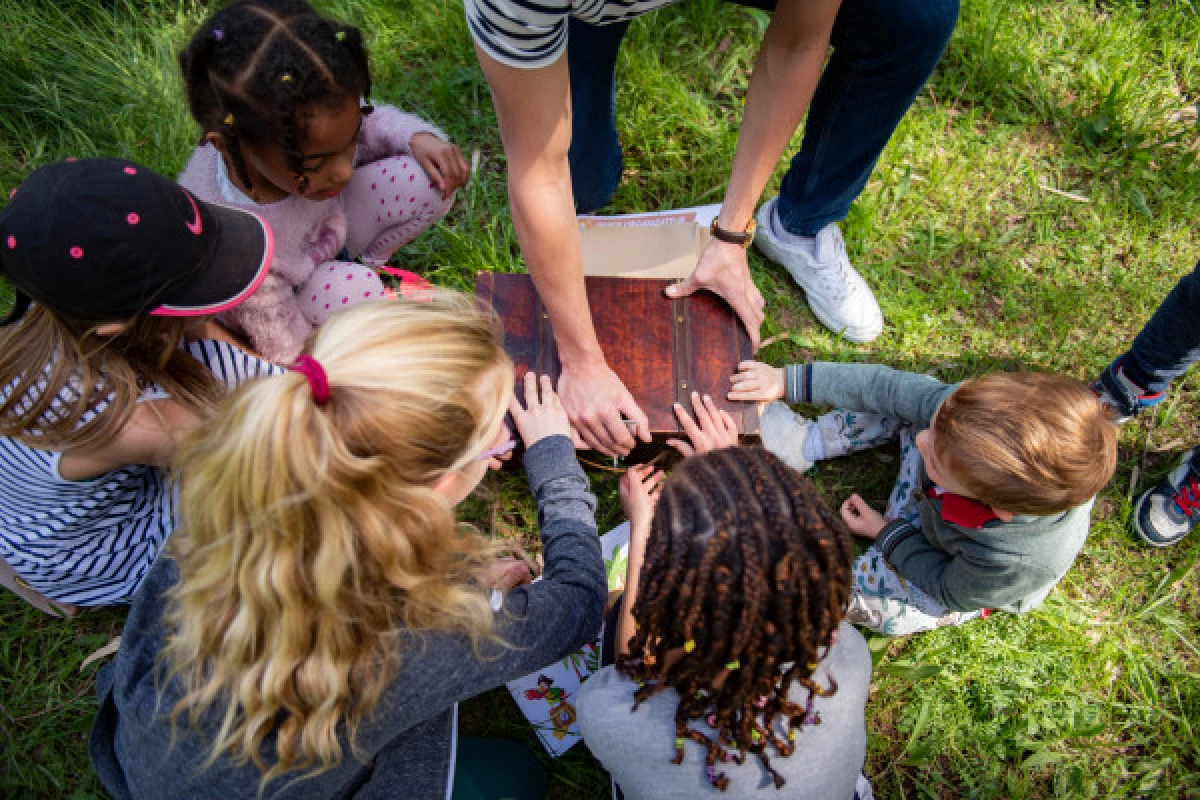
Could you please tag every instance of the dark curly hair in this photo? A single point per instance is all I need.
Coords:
(746, 577)
(255, 68)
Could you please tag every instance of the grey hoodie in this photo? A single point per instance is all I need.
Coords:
(1010, 566)
(404, 746)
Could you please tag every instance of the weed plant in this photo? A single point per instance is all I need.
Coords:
(978, 258)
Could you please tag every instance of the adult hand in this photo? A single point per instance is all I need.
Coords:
(442, 161)
(595, 399)
(716, 428)
(756, 382)
(861, 519)
(724, 270)
(541, 417)
(638, 490)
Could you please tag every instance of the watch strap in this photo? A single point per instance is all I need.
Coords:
(743, 238)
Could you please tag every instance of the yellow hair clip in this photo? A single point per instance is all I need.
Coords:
(689, 645)
(287, 76)
(734, 665)
(229, 120)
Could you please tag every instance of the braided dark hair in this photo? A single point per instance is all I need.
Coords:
(746, 577)
(255, 68)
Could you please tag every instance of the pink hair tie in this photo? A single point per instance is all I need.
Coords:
(312, 370)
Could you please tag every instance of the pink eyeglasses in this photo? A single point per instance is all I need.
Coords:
(498, 450)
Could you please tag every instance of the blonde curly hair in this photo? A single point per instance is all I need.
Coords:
(311, 535)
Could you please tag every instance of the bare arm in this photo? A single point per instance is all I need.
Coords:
(149, 437)
(153, 430)
(785, 77)
(626, 624)
(533, 107)
(638, 488)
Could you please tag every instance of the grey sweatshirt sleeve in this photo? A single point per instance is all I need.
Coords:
(867, 387)
(537, 625)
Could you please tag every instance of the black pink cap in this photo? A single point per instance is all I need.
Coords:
(104, 240)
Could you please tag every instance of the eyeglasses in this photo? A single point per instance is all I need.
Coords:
(498, 450)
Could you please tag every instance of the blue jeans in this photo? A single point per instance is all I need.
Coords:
(883, 52)
(1170, 342)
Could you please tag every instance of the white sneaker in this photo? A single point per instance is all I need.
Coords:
(837, 294)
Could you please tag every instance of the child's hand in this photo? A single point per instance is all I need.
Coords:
(716, 429)
(756, 382)
(861, 519)
(539, 418)
(505, 574)
(442, 161)
(638, 489)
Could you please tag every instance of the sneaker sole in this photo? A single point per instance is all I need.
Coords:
(777, 255)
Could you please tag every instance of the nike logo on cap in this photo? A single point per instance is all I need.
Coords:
(196, 227)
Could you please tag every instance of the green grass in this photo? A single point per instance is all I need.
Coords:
(977, 267)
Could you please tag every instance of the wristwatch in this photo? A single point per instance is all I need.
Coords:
(729, 237)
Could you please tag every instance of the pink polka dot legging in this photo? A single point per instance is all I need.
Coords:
(388, 203)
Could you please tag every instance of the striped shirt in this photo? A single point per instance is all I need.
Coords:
(526, 35)
(92, 542)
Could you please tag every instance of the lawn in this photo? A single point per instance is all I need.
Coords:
(1032, 209)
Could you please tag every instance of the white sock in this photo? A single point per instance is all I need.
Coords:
(790, 436)
(808, 244)
(814, 445)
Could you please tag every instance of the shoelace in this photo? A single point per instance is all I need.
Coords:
(837, 282)
(1187, 499)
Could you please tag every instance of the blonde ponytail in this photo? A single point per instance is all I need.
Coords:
(310, 535)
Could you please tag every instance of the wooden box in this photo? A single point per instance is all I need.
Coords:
(662, 348)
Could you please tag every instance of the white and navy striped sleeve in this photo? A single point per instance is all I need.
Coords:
(92, 542)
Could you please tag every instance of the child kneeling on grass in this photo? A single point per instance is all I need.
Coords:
(320, 612)
(997, 480)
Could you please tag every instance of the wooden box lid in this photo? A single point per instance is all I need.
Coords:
(662, 348)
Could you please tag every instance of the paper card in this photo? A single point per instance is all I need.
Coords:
(663, 244)
(545, 697)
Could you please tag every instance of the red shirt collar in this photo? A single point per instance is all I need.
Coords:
(962, 511)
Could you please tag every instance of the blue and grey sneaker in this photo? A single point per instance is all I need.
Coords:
(1165, 514)
(1121, 397)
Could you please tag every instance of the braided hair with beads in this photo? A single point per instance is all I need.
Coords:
(254, 69)
(746, 578)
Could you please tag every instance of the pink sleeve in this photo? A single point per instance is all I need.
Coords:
(271, 319)
(387, 132)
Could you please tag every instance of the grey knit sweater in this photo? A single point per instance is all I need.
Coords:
(405, 745)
